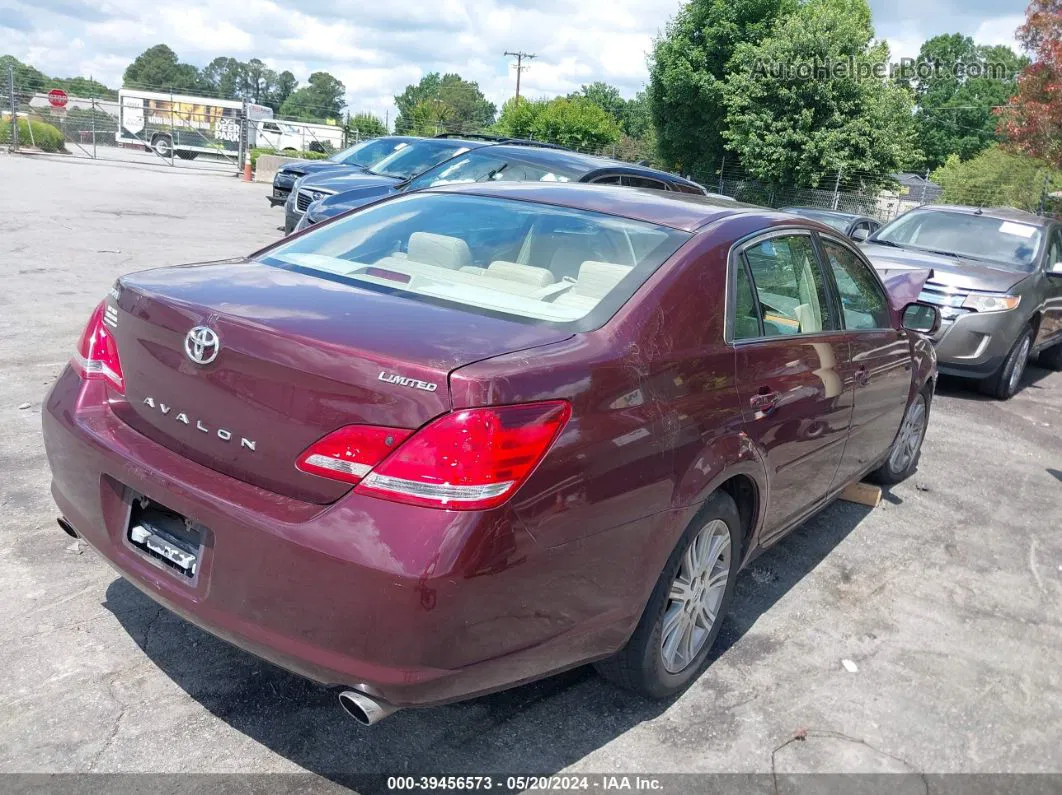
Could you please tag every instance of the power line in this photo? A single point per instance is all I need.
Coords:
(519, 56)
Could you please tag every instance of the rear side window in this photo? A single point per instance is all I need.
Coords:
(533, 262)
(789, 286)
(644, 182)
(863, 303)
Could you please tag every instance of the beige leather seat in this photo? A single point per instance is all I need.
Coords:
(441, 251)
(595, 281)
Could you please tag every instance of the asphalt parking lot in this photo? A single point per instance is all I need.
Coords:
(947, 598)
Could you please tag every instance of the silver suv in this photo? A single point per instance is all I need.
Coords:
(997, 278)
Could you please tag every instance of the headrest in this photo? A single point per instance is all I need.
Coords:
(439, 250)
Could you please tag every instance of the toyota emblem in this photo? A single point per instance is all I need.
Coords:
(202, 345)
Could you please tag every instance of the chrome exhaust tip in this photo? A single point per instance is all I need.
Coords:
(67, 528)
(364, 709)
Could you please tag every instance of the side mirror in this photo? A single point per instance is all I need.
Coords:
(1055, 269)
(923, 318)
(861, 234)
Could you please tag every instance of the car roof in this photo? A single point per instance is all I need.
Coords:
(685, 211)
(811, 211)
(584, 164)
(1002, 213)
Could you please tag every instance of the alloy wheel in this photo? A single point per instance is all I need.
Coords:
(1018, 369)
(695, 596)
(910, 437)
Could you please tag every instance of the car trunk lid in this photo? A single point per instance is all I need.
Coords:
(298, 357)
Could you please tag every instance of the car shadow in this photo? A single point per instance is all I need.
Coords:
(538, 728)
(966, 389)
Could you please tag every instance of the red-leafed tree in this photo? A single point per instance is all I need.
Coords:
(1033, 121)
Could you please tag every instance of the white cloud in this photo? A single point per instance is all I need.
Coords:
(376, 49)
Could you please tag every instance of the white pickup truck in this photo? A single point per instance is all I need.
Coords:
(298, 136)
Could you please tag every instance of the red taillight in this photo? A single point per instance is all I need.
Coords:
(471, 459)
(97, 351)
(349, 453)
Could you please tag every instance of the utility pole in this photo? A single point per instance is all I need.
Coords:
(14, 108)
(519, 56)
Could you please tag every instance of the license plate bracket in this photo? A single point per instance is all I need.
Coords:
(166, 538)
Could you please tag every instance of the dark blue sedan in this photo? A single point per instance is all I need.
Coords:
(354, 158)
(492, 163)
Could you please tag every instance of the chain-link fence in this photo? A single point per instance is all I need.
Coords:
(161, 126)
(156, 127)
(885, 197)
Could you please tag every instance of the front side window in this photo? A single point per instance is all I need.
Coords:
(863, 303)
(532, 262)
(789, 285)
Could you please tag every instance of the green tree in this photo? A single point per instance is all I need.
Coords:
(518, 119)
(28, 80)
(259, 81)
(955, 102)
(997, 177)
(158, 69)
(637, 119)
(576, 123)
(224, 77)
(364, 125)
(606, 97)
(687, 72)
(792, 118)
(282, 89)
(322, 98)
(469, 110)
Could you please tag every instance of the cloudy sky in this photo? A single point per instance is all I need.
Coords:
(376, 49)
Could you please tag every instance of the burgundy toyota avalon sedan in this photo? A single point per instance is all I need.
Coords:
(469, 437)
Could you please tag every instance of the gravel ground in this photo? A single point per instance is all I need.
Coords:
(945, 599)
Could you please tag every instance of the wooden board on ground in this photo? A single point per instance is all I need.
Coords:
(863, 493)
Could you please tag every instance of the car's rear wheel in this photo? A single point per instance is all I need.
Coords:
(1004, 384)
(162, 145)
(906, 448)
(1052, 357)
(685, 611)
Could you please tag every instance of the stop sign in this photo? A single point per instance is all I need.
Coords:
(57, 98)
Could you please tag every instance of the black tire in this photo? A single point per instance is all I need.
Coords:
(1003, 385)
(162, 146)
(1052, 357)
(902, 459)
(639, 666)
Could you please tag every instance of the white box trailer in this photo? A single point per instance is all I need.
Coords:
(185, 126)
(298, 136)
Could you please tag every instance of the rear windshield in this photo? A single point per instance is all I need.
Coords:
(531, 262)
(1009, 244)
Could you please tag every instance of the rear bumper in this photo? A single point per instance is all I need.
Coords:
(413, 606)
